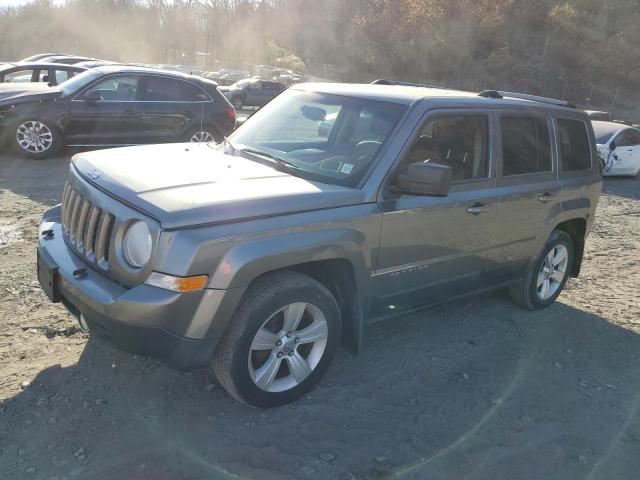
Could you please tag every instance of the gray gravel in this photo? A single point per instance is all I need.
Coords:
(478, 389)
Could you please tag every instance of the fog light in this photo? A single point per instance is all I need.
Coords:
(177, 284)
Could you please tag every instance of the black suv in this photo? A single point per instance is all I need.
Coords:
(116, 105)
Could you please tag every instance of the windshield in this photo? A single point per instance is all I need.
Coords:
(75, 83)
(331, 138)
(604, 132)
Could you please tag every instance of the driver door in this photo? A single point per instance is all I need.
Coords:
(111, 118)
(435, 248)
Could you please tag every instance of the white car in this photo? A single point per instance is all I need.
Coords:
(618, 148)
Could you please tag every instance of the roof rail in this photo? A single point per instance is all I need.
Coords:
(383, 81)
(524, 96)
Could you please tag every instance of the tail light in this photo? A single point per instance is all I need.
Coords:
(231, 113)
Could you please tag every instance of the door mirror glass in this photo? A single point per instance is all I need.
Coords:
(425, 179)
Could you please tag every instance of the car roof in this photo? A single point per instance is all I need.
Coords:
(119, 68)
(27, 65)
(408, 94)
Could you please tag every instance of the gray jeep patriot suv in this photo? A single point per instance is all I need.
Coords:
(259, 254)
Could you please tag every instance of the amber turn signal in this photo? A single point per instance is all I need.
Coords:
(177, 284)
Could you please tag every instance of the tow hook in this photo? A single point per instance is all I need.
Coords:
(80, 273)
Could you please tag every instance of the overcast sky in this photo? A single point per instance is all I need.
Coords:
(17, 3)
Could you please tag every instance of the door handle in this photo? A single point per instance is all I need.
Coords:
(546, 197)
(478, 208)
(130, 112)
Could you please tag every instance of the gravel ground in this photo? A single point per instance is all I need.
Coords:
(479, 389)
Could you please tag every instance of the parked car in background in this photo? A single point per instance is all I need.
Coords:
(618, 148)
(32, 72)
(68, 59)
(115, 105)
(258, 256)
(39, 56)
(252, 92)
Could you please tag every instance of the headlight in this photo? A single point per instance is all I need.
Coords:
(137, 244)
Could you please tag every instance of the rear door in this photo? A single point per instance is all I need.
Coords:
(112, 119)
(169, 107)
(432, 249)
(528, 188)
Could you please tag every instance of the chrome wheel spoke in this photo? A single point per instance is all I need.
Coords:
(316, 331)
(560, 257)
(544, 292)
(557, 276)
(292, 316)
(264, 340)
(298, 367)
(541, 279)
(266, 374)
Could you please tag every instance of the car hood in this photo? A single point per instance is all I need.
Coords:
(182, 185)
(25, 92)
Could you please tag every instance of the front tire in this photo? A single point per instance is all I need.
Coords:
(280, 341)
(546, 277)
(36, 139)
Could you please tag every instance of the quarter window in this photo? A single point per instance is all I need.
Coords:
(163, 89)
(526, 147)
(461, 142)
(575, 152)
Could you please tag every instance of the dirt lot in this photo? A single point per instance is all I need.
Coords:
(477, 390)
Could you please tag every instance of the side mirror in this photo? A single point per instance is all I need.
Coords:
(92, 96)
(425, 179)
(612, 146)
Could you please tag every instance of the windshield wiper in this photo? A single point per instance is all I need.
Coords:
(283, 164)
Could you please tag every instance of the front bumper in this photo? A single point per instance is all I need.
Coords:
(177, 328)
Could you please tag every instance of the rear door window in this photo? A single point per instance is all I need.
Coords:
(526, 147)
(575, 150)
(164, 89)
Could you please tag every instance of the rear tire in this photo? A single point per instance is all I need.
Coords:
(280, 341)
(36, 139)
(547, 275)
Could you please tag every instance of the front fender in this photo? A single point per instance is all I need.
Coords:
(250, 259)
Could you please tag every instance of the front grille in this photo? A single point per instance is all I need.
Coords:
(87, 227)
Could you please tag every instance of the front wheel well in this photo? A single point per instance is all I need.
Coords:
(577, 229)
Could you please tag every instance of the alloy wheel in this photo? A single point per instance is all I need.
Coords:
(202, 136)
(34, 137)
(288, 347)
(552, 272)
